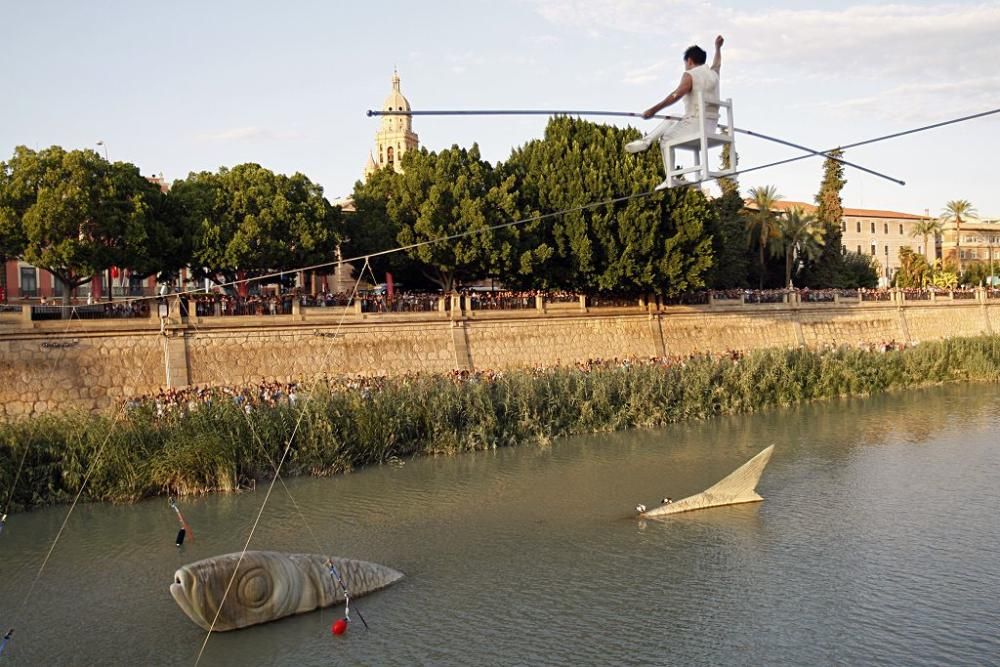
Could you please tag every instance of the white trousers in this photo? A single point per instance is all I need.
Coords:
(670, 130)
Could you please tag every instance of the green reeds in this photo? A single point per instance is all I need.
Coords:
(218, 447)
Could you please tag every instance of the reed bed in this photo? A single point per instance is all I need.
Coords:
(219, 447)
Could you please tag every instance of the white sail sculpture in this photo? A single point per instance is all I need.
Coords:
(738, 487)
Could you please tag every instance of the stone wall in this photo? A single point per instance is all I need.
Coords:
(96, 365)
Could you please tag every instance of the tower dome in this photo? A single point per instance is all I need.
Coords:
(395, 136)
(396, 101)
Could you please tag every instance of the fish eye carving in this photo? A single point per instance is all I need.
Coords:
(255, 588)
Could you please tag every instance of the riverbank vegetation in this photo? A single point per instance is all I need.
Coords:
(222, 446)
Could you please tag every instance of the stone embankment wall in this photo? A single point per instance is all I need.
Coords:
(95, 365)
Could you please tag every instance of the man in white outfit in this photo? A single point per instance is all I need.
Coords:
(697, 78)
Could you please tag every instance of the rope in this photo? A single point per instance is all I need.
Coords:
(90, 471)
(626, 114)
(270, 488)
(13, 486)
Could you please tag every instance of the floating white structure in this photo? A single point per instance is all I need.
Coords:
(738, 487)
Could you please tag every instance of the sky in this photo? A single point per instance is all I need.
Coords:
(183, 86)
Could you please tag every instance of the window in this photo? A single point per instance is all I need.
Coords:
(389, 155)
(887, 251)
(859, 249)
(873, 250)
(873, 228)
(29, 281)
(859, 226)
(920, 250)
(886, 228)
(843, 226)
(58, 287)
(900, 229)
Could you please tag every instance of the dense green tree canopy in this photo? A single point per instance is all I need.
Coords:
(449, 193)
(652, 243)
(75, 214)
(250, 220)
(827, 269)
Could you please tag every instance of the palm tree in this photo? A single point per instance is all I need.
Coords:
(925, 228)
(798, 233)
(954, 210)
(763, 220)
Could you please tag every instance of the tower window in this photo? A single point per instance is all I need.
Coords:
(859, 226)
(873, 230)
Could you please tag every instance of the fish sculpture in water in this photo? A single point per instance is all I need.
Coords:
(740, 486)
(270, 585)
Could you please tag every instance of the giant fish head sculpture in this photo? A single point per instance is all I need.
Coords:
(269, 585)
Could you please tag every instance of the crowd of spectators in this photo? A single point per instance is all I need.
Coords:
(222, 304)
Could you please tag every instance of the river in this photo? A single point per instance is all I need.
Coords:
(877, 544)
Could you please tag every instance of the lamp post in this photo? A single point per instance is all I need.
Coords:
(108, 279)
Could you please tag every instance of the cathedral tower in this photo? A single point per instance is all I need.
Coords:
(395, 137)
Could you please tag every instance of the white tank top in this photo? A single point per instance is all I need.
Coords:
(704, 80)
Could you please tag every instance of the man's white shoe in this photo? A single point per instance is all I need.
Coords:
(678, 182)
(637, 146)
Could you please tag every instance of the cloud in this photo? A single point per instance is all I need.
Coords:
(248, 133)
(925, 101)
(900, 46)
(655, 72)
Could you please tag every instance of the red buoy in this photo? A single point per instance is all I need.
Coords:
(339, 627)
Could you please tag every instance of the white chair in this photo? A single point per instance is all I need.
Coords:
(699, 142)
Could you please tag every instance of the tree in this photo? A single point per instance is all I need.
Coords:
(797, 233)
(78, 214)
(762, 222)
(828, 268)
(441, 195)
(370, 230)
(13, 202)
(860, 270)
(636, 244)
(248, 221)
(727, 229)
(954, 211)
(914, 269)
(926, 229)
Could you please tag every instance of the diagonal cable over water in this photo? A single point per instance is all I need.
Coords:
(277, 473)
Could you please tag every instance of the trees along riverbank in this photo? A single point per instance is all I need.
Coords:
(220, 447)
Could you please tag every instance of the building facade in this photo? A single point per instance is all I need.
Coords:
(880, 234)
(980, 241)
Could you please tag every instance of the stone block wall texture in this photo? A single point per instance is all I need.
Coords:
(61, 369)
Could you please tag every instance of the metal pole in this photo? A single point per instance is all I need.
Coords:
(624, 114)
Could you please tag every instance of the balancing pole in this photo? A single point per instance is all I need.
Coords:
(622, 114)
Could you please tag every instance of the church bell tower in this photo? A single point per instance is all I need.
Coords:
(395, 136)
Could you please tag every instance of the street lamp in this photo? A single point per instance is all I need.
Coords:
(109, 280)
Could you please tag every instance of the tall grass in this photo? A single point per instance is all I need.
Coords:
(220, 448)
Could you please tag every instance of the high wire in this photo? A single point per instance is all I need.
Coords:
(626, 114)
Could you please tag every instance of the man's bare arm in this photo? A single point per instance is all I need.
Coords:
(683, 88)
(717, 61)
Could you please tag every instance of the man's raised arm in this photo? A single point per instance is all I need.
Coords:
(717, 61)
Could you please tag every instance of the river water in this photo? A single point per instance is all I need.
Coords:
(878, 543)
